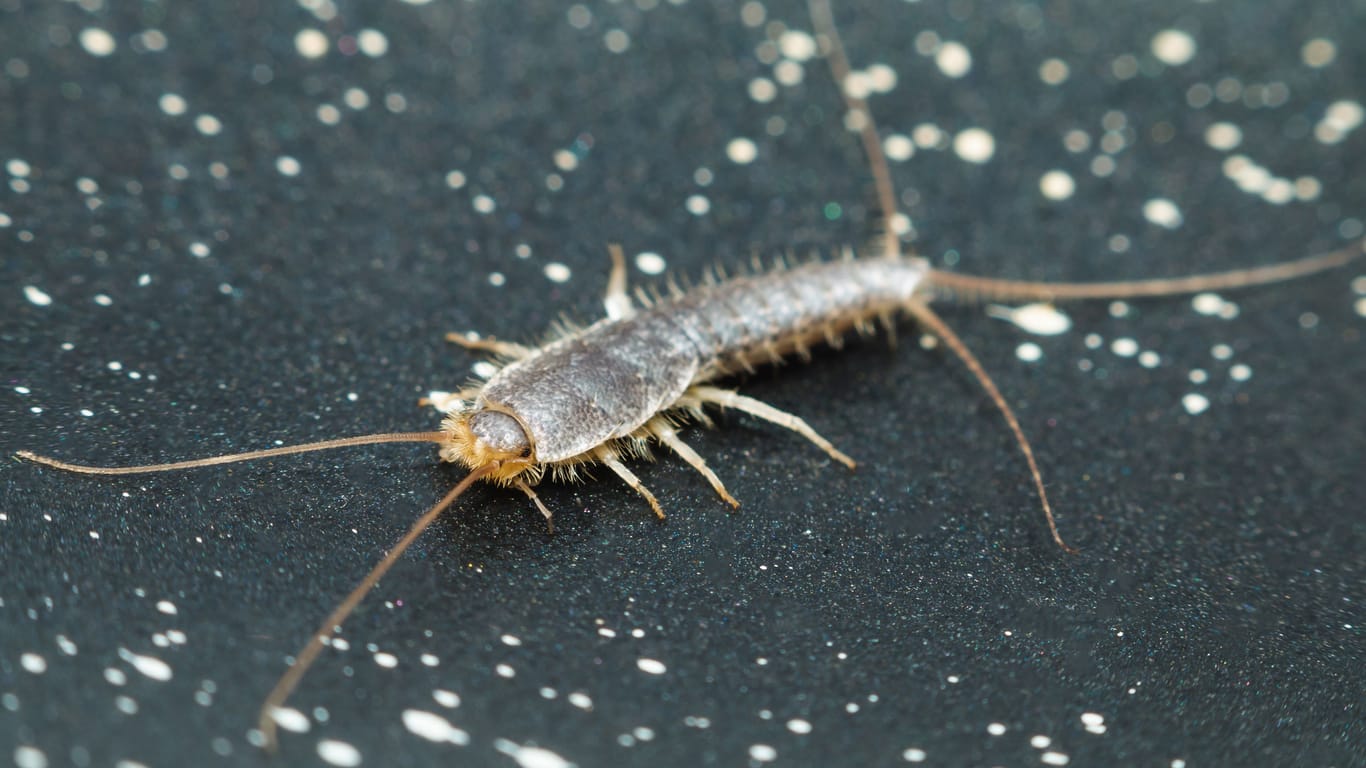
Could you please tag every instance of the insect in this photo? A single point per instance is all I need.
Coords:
(603, 393)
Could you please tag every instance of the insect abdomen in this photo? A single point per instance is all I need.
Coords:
(754, 320)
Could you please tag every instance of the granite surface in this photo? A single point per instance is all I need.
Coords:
(229, 226)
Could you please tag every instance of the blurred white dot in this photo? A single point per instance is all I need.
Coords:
(1173, 47)
(1057, 185)
(287, 166)
(172, 104)
(650, 263)
(797, 45)
(372, 42)
(742, 151)
(557, 272)
(1163, 213)
(310, 43)
(1195, 403)
(974, 145)
(953, 59)
(97, 42)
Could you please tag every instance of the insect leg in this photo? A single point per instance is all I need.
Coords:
(665, 433)
(617, 302)
(489, 344)
(531, 494)
(446, 401)
(609, 457)
(728, 399)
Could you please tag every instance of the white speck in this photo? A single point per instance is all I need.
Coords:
(1039, 741)
(208, 125)
(580, 700)
(386, 660)
(898, 147)
(511, 640)
(22, 390)
(651, 666)
(881, 78)
(1092, 718)
(29, 757)
(953, 59)
(1221, 352)
(290, 719)
(429, 660)
(372, 43)
(914, 755)
(788, 72)
(339, 753)
(1029, 352)
(797, 45)
(97, 42)
(114, 365)
(1039, 319)
(742, 151)
(1054, 758)
(1223, 136)
(1149, 359)
(1057, 185)
(65, 645)
(356, 98)
(115, 676)
(799, 726)
(697, 205)
(617, 40)
(996, 729)
(1360, 306)
(928, 136)
(445, 698)
(148, 665)
(557, 272)
(974, 145)
(1195, 403)
(19, 169)
(1124, 347)
(1162, 212)
(455, 179)
(103, 300)
(650, 263)
(1345, 115)
(484, 369)
(1198, 376)
(762, 90)
(1173, 47)
(565, 160)
(1054, 71)
(287, 166)
(505, 671)
(485, 204)
(763, 753)
(311, 44)
(531, 757)
(172, 104)
(126, 704)
(36, 296)
(434, 727)
(32, 662)
(1319, 52)
(167, 607)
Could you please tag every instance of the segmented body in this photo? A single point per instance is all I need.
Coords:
(560, 403)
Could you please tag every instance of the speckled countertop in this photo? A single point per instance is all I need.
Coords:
(229, 226)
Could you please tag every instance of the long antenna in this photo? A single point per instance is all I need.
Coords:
(823, 21)
(325, 445)
(305, 658)
(975, 288)
(922, 312)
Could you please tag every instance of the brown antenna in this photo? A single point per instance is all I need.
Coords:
(325, 445)
(975, 288)
(290, 679)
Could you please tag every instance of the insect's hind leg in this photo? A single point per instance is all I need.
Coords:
(609, 457)
(662, 431)
(725, 398)
(617, 302)
(489, 344)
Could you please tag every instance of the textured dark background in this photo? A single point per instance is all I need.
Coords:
(1214, 615)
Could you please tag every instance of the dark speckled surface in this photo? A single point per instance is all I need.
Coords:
(204, 300)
